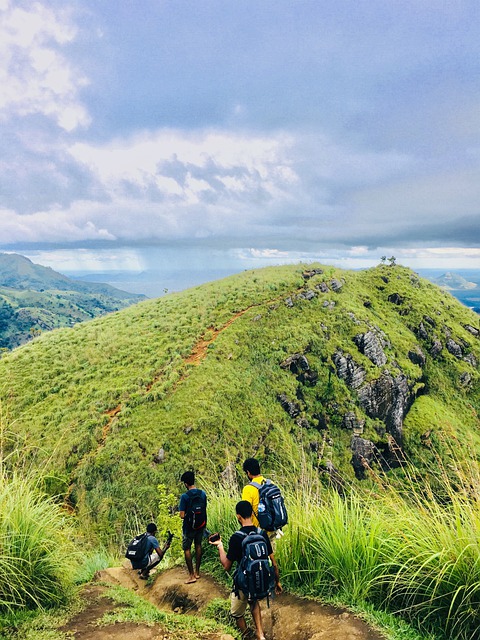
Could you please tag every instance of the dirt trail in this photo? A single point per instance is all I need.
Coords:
(288, 618)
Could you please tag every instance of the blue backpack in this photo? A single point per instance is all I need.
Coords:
(272, 513)
(254, 575)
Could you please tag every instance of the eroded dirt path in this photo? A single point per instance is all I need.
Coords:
(288, 618)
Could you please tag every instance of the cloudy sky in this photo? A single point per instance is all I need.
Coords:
(225, 134)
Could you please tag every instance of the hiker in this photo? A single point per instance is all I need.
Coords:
(193, 511)
(237, 550)
(267, 502)
(141, 551)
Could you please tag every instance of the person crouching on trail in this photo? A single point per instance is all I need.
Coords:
(151, 552)
(193, 512)
(236, 553)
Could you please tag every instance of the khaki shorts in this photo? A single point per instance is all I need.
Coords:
(238, 604)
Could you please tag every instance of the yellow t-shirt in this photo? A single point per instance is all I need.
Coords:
(250, 494)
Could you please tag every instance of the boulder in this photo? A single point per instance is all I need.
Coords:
(417, 356)
(454, 348)
(472, 330)
(306, 275)
(465, 379)
(348, 369)
(352, 423)
(323, 287)
(421, 331)
(292, 408)
(296, 363)
(335, 284)
(436, 349)
(395, 298)
(289, 302)
(369, 345)
(364, 452)
(471, 359)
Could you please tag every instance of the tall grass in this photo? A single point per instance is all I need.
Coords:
(37, 551)
(407, 553)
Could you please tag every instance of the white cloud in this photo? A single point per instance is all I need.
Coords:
(35, 76)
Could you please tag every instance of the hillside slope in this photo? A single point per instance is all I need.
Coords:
(34, 298)
(343, 370)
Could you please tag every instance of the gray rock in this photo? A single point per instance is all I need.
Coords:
(465, 379)
(257, 318)
(417, 357)
(309, 294)
(430, 321)
(289, 302)
(292, 408)
(471, 359)
(395, 298)
(297, 362)
(352, 423)
(348, 369)
(472, 330)
(323, 287)
(160, 457)
(422, 332)
(388, 399)
(228, 476)
(306, 275)
(436, 349)
(364, 453)
(454, 348)
(335, 284)
(369, 345)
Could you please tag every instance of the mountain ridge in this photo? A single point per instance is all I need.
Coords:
(341, 371)
(34, 298)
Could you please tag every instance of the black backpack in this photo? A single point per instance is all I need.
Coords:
(254, 575)
(137, 548)
(272, 513)
(196, 512)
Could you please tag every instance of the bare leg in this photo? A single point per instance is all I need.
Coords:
(257, 618)
(242, 625)
(188, 560)
(198, 559)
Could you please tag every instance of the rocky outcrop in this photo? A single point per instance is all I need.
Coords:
(454, 348)
(335, 285)
(436, 349)
(370, 346)
(322, 287)
(388, 399)
(306, 275)
(348, 370)
(364, 453)
(472, 330)
(395, 298)
(421, 332)
(352, 423)
(298, 364)
(292, 408)
(417, 356)
(470, 358)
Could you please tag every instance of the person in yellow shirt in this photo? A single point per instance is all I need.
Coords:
(251, 466)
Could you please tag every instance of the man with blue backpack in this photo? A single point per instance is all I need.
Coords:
(193, 512)
(269, 511)
(256, 576)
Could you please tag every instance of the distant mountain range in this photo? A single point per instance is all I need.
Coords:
(34, 298)
(454, 281)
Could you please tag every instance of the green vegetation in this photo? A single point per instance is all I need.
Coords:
(34, 299)
(37, 551)
(112, 411)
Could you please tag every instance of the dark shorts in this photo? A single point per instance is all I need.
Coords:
(190, 537)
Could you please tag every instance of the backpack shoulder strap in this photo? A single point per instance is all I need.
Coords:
(255, 484)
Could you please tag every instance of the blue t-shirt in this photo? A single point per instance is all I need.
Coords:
(185, 501)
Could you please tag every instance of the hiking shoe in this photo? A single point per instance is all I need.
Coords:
(144, 576)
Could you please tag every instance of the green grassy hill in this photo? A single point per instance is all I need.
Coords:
(339, 370)
(34, 298)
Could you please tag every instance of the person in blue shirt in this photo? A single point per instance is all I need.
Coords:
(153, 553)
(193, 512)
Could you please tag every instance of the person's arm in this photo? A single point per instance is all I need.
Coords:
(278, 586)
(226, 563)
(182, 507)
